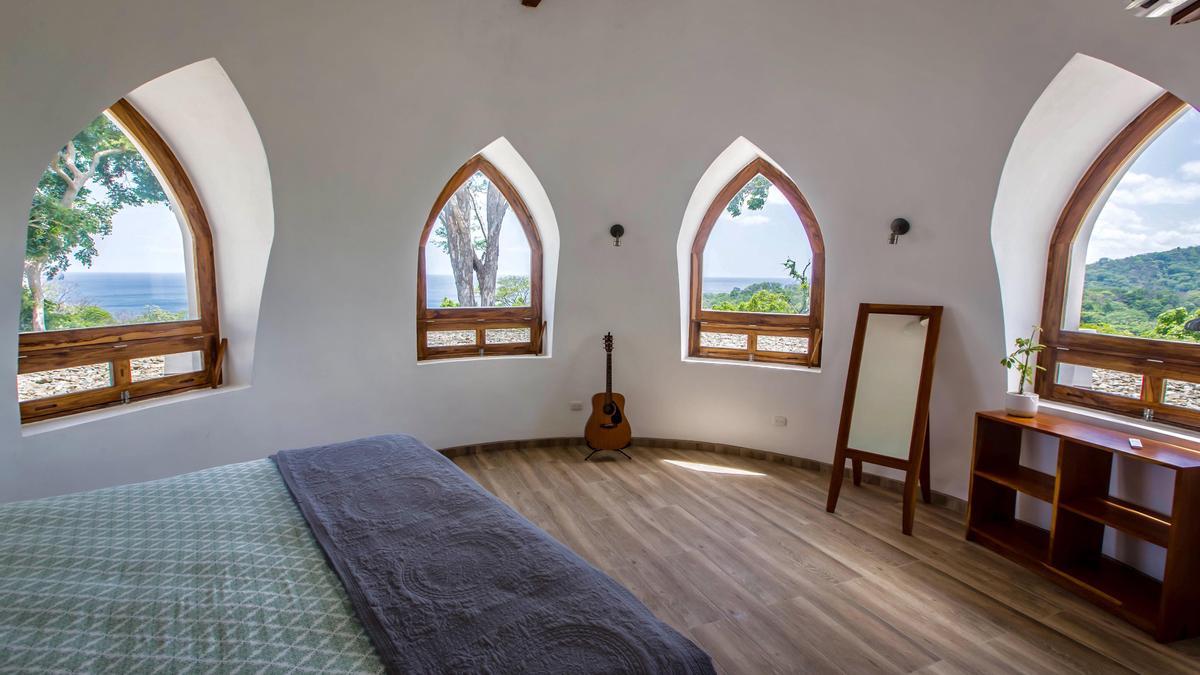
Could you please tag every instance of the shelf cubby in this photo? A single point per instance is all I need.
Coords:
(1015, 537)
(1071, 551)
(1125, 516)
(1024, 480)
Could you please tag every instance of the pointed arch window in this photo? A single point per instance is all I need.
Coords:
(119, 298)
(758, 273)
(1121, 314)
(479, 270)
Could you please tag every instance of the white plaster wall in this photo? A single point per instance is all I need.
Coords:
(199, 113)
(509, 161)
(877, 109)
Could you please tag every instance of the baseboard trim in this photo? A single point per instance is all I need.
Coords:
(939, 499)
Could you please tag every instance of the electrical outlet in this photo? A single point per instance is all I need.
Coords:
(780, 421)
(576, 405)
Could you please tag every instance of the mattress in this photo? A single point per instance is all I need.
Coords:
(211, 571)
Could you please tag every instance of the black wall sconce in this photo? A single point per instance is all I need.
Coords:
(900, 226)
(617, 231)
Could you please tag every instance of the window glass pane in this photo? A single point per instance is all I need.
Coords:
(1102, 380)
(104, 246)
(449, 338)
(724, 340)
(782, 343)
(502, 336)
(1182, 394)
(32, 386)
(758, 258)
(477, 254)
(154, 367)
(1142, 257)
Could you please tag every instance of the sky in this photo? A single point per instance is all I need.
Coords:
(1156, 205)
(756, 243)
(144, 239)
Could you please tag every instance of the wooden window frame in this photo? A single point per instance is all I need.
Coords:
(117, 345)
(1154, 360)
(481, 319)
(752, 324)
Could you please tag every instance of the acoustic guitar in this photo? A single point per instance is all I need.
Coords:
(608, 427)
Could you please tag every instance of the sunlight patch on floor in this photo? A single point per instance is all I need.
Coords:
(712, 468)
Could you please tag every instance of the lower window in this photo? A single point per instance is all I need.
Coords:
(54, 381)
(747, 344)
(1153, 389)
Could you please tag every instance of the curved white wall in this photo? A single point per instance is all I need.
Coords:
(505, 157)
(877, 109)
(1082, 110)
(199, 113)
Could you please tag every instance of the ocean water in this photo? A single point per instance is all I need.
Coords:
(126, 294)
(129, 294)
(438, 286)
(726, 284)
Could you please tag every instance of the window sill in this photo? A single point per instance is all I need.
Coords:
(68, 421)
(1155, 430)
(753, 364)
(496, 357)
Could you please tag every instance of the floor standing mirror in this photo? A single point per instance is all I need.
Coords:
(885, 411)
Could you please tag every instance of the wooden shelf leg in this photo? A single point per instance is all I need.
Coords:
(856, 471)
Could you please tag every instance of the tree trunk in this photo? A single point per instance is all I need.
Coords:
(37, 289)
(497, 208)
(457, 217)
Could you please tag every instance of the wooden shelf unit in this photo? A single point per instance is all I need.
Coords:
(1070, 552)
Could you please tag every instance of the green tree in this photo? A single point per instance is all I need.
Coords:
(1169, 325)
(60, 316)
(512, 291)
(802, 285)
(156, 314)
(767, 302)
(91, 178)
(752, 196)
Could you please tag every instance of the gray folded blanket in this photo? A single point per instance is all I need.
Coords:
(447, 578)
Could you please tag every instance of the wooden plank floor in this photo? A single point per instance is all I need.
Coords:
(751, 568)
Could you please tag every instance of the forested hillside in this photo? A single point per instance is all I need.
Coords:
(1148, 295)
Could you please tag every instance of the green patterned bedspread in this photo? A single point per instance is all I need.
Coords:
(215, 571)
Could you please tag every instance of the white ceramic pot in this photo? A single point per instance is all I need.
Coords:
(1021, 405)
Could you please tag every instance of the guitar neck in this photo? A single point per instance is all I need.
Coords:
(608, 377)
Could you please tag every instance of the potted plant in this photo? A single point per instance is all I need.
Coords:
(1018, 403)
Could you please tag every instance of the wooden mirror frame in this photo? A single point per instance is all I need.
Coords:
(117, 345)
(916, 467)
(481, 319)
(752, 324)
(1155, 360)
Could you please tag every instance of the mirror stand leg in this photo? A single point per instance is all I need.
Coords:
(910, 501)
(926, 488)
(835, 480)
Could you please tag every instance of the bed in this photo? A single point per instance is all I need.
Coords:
(382, 556)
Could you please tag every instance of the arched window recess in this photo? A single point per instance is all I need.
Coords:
(116, 198)
(479, 270)
(1122, 293)
(758, 273)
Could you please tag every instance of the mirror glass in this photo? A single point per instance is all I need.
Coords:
(889, 377)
